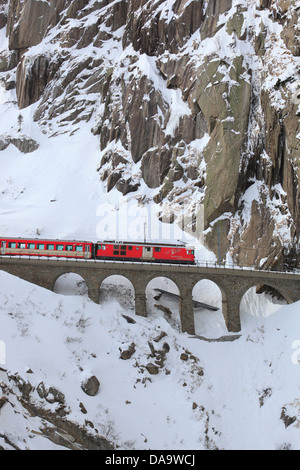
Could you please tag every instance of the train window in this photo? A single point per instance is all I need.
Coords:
(115, 252)
(148, 249)
(116, 247)
(22, 245)
(123, 247)
(130, 248)
(31, 246)
(50, 247)
(103, 247)
(60, 247)
(192, 252)
(69, 247)
(40, 246)
(12, 245)
(78, 248)
(157, 249)
(123, 253)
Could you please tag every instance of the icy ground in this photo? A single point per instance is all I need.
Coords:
(225, 395)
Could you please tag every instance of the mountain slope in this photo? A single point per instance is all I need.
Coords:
(192, 103)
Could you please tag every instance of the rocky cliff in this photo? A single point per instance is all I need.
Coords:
(199, 99)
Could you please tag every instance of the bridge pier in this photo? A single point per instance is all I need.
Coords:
(231, 313)
(94, 293)
(231, 299)
(140, 303)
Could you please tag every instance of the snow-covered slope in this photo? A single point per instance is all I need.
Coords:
(241, 394)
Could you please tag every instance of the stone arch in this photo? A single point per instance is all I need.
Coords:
(208, 301)
(70, 283)
(163, 297)
(117, 287)
(274, 291)
(260, 300)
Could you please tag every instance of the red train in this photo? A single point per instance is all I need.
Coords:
(106, 250)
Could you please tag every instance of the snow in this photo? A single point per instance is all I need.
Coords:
(239, 396)
(276, 203)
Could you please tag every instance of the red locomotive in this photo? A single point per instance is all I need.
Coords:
(137, 251)
(107, 250)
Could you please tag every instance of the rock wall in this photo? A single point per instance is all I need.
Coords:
(197, 98)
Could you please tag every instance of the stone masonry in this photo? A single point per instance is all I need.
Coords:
(233, 283)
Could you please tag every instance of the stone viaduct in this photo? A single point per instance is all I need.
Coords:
(233, 283)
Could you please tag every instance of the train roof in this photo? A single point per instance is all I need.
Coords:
(120, 242)
(115, 242)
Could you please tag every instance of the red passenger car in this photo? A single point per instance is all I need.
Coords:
(49, 248)
(133, 251)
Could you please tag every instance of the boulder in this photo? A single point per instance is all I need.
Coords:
(152, 368)
(127, 353)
